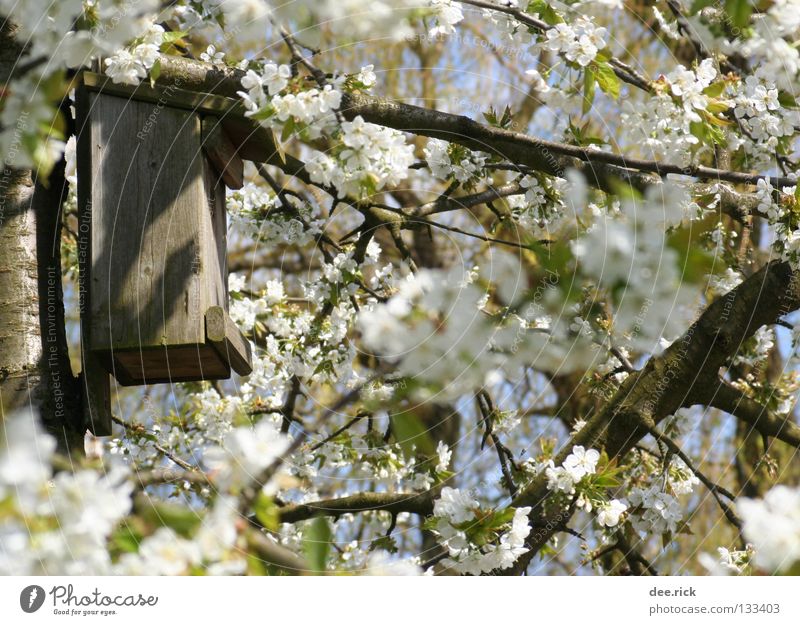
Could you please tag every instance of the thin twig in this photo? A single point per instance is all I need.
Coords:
(140, 429)
(715, 489)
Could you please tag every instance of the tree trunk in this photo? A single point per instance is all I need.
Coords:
(35, 369)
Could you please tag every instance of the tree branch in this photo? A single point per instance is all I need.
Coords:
(733, 401)
(672, 380)
(417, 503)
(600, 168)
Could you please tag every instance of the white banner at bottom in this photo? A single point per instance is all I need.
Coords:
(389, 600)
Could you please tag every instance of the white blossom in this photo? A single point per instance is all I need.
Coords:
(608, 515)
(772, 525)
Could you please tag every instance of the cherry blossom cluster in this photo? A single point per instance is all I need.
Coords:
(54, 525)
(267, 101)
(477, 542)
(30, 137)
(579, 41)
(130, 66)
(665, 124)
(574, 478)
(257, 213)
(447, 14)
(448, 160)
(369, 158)
(540, 207)
(728, 561)
(654, 507)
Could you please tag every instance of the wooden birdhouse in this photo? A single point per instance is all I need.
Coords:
(152, 173)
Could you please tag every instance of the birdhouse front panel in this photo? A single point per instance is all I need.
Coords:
(155, 205)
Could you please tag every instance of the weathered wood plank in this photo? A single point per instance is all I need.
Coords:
(95, 394)
(253, 142)
(222, 153)
(148, 187)
(158, 242)
(94, 379)
(215, 240)
(231, 344)
(171, 95)
(174, 364)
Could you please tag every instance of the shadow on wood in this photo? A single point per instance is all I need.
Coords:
(152, 245)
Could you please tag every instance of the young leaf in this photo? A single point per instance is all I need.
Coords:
(172, 37)
(715, 90)
(699, 5)
(609, 82)
(787, 100)
(317, 544)
(739, 12)
(545, 11)
(267, 512)
(411, 433)
(155, 72)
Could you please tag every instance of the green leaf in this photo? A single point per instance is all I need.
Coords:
(787, 100)
(603, 55)
(696, 262)
(716, 106)
(288, 129)
(125, 539)
(317, 543)
(173, 36)
(410, 433)
(545, 11)
(624, 190)
(267, 512)
(606, 481)
(263, 114)
(256, 566)
(503, 121)
(708, 133)
(699, 5)
(588, 89)
(278, 146)
(716, 136)
(499, 518)
(609, 82)
(387, 543)
(552, 258)
(183, 520)
(739, 12)
(155, 72)
(715, 90)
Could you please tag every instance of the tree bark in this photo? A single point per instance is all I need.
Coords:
(35, 369)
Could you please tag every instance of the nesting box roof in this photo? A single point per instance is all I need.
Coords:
(250, 140)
